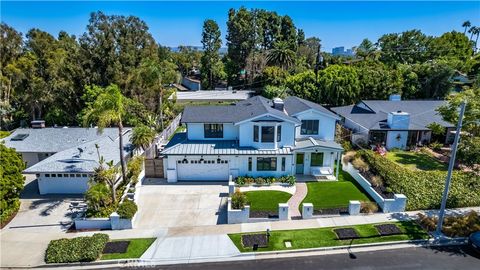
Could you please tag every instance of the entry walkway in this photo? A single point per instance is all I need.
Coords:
(297, 198)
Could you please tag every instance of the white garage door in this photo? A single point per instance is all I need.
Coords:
(202, 172)
(62, 185)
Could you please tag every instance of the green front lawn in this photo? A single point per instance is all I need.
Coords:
(334, 194)
(266, 200)
(326, 237)
(135, 249)
(416, 160)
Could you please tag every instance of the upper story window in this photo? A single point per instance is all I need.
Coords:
(213, 130)
(309, 127)
(279, 133)
(268, 134)
(255, 133)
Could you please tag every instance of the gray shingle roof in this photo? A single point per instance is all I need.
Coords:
(374, 115)
(294, 105)
(71, 160)
(51, 140)
(211, 95)
(249, 108)
(179, 145)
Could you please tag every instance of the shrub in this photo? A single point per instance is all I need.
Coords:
(11, 181)
(436, 146)
(259, 181)
(79, 249)
(239, 200)
(240, 180)
(127, 209)
(349, 156)
(454, 226)
(368, 207)
(376, 181)
(359, 164)
(347, 146)
(424, 188)
(288, 179)
(134, 168)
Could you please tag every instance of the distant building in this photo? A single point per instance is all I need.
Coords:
(340, 51)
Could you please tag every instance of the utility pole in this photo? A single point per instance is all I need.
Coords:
(451, 163)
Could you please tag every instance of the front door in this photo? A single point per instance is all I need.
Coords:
(299, 167)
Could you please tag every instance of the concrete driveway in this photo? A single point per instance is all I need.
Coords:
(42, 212)
(164, 205)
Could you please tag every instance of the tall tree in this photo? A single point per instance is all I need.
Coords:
(404, 48)
(281, 55)
(366, 49)
(211, 42)
(304, 85)
(109, 109)
(142, 137)
(453, 45)
(466, 25)
(11, 181)
(340, 85)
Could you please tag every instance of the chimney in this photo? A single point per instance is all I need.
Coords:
(395, 97)
(38, 124)
(398, 120)
(278, 104)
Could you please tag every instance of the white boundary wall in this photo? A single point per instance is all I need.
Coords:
(397, 204)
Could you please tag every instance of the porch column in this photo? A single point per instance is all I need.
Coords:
(338, 165)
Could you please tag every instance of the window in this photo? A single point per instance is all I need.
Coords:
(309, 127)
(317, 159)
(84, 175)
(250, 161)
(378, 137)
(72, 175)
(77, 175)
(268, 134)
(213, 130)
(53, 175)
(255, 133)
(266, 164)
(279, 133)
(283, 163)
(47, 175)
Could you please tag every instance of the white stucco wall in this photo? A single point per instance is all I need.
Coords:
(78, 184)
(246, 135)
(326, 125)
(393, 142)
(328, 161)
(195, 131)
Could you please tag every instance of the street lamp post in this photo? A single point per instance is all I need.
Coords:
(451, 163)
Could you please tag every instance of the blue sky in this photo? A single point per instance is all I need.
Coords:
(176, 23)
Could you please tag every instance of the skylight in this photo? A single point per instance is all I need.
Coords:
(19, 137)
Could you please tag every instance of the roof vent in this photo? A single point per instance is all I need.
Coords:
(38, 124)
(278, 104)
(19, 137)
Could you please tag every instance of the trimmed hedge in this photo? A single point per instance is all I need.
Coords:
(424, 188)
(78, 249)
(127, 209)
(247, 180)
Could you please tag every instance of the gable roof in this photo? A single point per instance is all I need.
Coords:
(250, 108)
(373, 114)
(52, 140)
(235, 113)
(295, 105)
(74, 160)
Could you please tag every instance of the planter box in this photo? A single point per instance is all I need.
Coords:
(235, 216)
(397, 204)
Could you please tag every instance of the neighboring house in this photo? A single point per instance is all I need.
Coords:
(63, 159)
(211, 96)
(254, 137)
(394, 123)
(191, 83)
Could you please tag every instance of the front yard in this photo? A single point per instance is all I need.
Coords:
(326, 237)
(334, 194)
(136, 247)
(416, 160)
(266, 200)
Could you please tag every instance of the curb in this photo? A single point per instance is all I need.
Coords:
(431, 242)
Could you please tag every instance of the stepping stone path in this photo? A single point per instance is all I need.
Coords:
(296, 200)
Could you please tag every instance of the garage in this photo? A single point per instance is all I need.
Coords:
(52, 183)
(207, 170)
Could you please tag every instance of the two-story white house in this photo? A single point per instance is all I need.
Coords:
(254, 137)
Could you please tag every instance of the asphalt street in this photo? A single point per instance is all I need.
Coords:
(463, 258)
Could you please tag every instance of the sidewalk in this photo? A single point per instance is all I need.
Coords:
(27, 248)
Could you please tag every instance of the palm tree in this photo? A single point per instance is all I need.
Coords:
(466, 24)
(142, 137)
(477, 32)
(109, 109)
(472, 31)
(281, 55)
